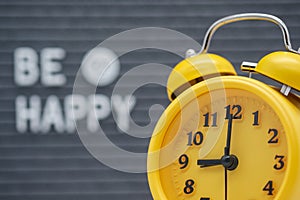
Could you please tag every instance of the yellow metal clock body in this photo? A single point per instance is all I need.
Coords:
(265, 140)
(228, 137)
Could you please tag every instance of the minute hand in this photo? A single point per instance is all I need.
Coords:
(229, 131)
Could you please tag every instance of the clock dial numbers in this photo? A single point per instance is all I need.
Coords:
(255, 118)
(269, 188)
(274, 136)
(189, 186)
(183, 161)
(234, 110)
(279, 162)
(210, 118)
(195, 139)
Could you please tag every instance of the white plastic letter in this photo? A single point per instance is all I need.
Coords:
(75, 109)
(99, 109)
(50, 67)
(123, 107)
(26, 70)
(100, 66)
(29, 114)
(52, 115)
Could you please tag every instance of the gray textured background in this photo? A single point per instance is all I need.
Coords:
(57, 166)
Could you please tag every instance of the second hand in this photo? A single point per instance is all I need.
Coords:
(225, 170)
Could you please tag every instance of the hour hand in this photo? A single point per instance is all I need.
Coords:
(209, 162)
(229, 162)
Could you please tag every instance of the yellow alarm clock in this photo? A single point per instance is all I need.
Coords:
(229, 137)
